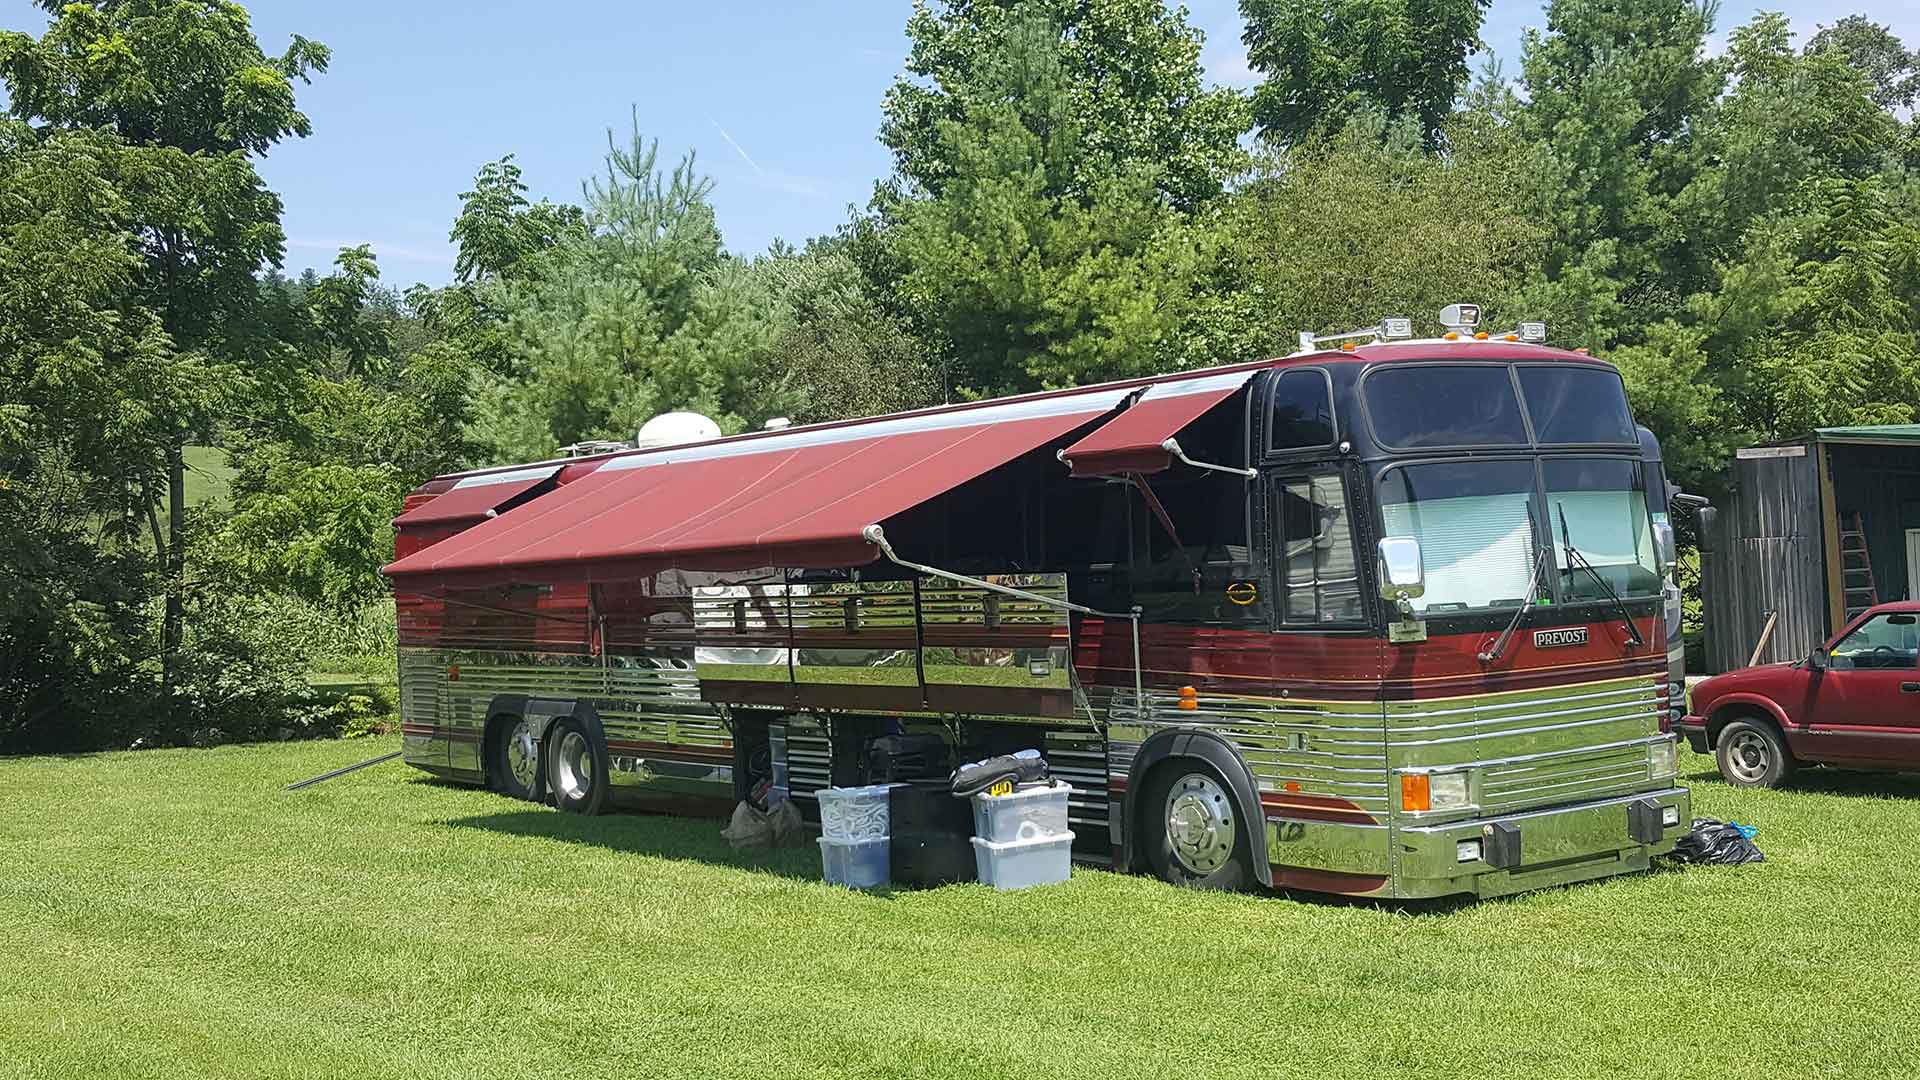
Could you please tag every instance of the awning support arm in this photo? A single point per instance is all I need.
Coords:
(876, 536)
(1172, 446)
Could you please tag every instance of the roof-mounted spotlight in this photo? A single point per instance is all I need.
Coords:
(1396, 328)
(1533, 333)
(1460, 318)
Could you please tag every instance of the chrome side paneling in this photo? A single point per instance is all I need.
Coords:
(1320, 767)
(423, 708)
(976, 637)
(1320, 749)
(659, 733)
(859, 633)
(742, 630)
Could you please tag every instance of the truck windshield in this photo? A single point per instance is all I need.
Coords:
(1474, 522)
(1604, 504)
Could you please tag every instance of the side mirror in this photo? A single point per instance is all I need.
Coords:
(1401, 574)
(1817, 659)
(1663, 545)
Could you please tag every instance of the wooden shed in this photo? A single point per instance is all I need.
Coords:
(1814, 532)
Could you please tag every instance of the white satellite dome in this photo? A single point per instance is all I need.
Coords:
(675, 429)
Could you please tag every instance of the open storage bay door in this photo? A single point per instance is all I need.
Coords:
(1141, 439)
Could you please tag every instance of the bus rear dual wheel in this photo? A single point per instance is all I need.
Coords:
(574, 766)
(1193, 832)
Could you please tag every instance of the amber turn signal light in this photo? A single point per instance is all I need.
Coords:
(1416, 792)
(1189, 698)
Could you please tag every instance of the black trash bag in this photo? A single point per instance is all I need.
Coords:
(1717, 843)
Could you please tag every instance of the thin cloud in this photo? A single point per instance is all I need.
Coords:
(791, 183)
(737, 148)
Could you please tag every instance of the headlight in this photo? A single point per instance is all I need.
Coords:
(1434, 791)
(1450, 791)
(1663, 759)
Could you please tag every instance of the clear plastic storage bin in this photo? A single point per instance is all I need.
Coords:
(851, 814)
(1016, 864)
(861, 864)
(1032, 812)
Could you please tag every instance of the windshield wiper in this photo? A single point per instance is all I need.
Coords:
(1576, 559)
(1500, 643)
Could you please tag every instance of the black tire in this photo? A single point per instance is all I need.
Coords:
(513, 758)
(1751, 754)
(575, 766)
(1187, 812)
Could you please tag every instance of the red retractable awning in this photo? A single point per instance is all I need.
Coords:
(1135, 441)
(798, 498)
(473, 498)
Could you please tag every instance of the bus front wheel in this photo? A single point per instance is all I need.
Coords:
(1195, 835)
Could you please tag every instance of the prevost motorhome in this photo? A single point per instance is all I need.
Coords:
(1380, 619)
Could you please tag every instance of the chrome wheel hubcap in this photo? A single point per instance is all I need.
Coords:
(573, 766)
(1199, 824)
(1749, 757)
(521, 757)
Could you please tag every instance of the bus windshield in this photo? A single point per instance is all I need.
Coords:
(1474, 521)
(1600, 506)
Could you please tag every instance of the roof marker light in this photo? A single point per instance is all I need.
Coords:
(1451, 336)
(1510, 337)
(1480, 335)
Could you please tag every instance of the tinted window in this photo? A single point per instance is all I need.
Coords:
(1314, 536)
(1601, 505)
(1474, 521)
(1415, 407)
(1884, 641)
(1572, 405)
(1302, 412)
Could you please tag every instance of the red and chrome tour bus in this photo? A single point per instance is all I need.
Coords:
(1380, 619)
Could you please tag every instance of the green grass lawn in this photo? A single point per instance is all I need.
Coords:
(175, 914)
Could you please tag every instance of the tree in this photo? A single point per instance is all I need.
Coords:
(1035, 276)
(185, 87)
(1129, 74)
(1616, 92)
(1871, 49)
(641, 311)
(1326, 60)
(1344, 230)
(842, 351)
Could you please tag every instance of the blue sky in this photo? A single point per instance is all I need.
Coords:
(780, 102)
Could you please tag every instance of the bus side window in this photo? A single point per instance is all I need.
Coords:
(1314, 552)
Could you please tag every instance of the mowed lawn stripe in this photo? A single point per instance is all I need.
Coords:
(175, 914)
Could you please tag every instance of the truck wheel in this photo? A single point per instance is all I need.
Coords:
(515, 762)
(576, 769)
(1194, 833)
(1751, 753)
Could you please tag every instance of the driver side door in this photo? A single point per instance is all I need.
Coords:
(1865, 708)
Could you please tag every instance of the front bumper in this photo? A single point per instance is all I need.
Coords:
(1695, 730)
(1555, 847)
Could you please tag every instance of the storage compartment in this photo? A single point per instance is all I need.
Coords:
(1045, 860)
(858, 865)
(1031, 812)
(908, 757)
(930, 829)
(852, 814)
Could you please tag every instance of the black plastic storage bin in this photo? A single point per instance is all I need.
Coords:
(932, 834)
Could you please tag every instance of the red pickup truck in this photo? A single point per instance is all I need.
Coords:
(1854, 701)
